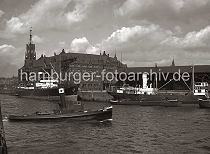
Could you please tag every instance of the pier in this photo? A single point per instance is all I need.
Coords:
(3, 146)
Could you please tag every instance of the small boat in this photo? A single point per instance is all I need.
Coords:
(172, 103)
(68, 110)
(204, 103)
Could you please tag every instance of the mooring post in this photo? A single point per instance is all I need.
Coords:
(62, 99)
(3, 146)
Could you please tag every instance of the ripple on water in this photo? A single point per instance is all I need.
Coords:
(134, 129)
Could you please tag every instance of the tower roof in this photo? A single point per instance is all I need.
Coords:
(173, 63)
(30, 39)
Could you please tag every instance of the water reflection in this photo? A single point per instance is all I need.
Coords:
(134, 129)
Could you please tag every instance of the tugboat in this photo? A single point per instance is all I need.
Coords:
(145, 96)
(204, 102)
(68, 110)
(3, 146)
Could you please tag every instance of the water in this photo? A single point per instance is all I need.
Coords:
(134, 129)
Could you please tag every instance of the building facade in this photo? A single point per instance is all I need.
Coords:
(171, 77)
(72, 68)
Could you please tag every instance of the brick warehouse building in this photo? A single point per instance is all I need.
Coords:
(70, 62)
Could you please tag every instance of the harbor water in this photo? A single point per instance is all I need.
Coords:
(134, 129)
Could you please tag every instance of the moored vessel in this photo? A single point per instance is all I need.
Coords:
(150, 101)
(145, 96)
(44, 88)
(204, 103)
(198, 90)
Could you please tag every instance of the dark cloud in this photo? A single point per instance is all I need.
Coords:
(188, 14)
(144, 31)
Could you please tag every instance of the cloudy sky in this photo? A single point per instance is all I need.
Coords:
(144, 31)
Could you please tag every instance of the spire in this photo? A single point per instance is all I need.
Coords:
(115, 56)
(30, 53)
(63, 51)
(173, 63)
(156, 65)
(30, 35)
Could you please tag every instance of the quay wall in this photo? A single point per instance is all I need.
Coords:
(7, 91)
(50, 98)
(177, 92)
(99, 96)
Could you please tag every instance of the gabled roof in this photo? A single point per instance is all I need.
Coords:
(171, 69)
(77, 58)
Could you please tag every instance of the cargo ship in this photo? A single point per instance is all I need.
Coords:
(145, 96)
(44, 88)
(148, 96)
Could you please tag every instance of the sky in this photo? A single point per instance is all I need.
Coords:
(144, 32)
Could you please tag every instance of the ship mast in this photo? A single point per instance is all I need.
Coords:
(193, 79)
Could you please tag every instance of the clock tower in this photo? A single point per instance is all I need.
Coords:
(30, 54)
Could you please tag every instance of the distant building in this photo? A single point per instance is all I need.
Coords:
(201, 74)
(173, 63)
(74, 63)
(8, 83)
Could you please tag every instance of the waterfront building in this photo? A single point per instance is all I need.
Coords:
(173, 73)
(69, 64)
(78, 63)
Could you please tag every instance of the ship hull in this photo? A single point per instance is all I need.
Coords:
(166, 103)
(145, 100)
(184, 99)
(172, 103)
(99, 115)
(45, 92)
(204, 103)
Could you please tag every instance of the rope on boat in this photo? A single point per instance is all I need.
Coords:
(165, 84)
